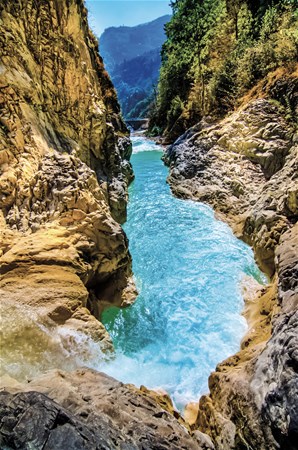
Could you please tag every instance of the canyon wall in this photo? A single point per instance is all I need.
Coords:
(63, 183)
(246, 167)
(65, 168)
(228, 83)
(64, 257)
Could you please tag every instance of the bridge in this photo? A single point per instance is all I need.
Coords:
(138, 124)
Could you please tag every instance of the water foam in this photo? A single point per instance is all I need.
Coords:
(188, 268)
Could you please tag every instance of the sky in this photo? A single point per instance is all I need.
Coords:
(107, 13)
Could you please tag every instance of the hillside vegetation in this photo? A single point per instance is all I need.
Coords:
(218, 50)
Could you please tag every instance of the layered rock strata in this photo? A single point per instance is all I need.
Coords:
(246, 167)
(65, 169)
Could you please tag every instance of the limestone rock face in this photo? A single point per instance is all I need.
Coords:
(64, 171)
(87, 410)
(275, 379)
(246, 167)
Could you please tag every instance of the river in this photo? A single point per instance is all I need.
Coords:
(188, 268)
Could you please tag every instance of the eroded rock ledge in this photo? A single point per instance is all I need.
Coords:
(65, 169)
(64, 159)
(87, 410)
(246, 167)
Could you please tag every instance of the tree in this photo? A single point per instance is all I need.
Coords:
(233, 9)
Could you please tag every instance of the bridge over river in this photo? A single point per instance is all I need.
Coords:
(138, 124)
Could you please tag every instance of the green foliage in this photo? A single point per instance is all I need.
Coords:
(175, 110)
(216, 50)
(154, 131)
(276, 46)
(140, 109)
(269, 23)
(223, 86)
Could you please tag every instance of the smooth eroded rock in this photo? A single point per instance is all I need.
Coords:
(64, 172)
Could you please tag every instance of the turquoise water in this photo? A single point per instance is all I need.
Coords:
(188, 268)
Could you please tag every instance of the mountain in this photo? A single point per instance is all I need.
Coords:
(132, 58)
(118, 44)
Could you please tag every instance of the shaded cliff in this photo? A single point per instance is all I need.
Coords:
(246, 167)
(64, 174)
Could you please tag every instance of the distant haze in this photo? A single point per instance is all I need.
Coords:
(132, 58)
(109, 13)
(119, 44)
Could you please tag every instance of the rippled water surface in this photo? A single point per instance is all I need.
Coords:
(188, 268)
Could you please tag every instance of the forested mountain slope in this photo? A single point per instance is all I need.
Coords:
(132, 58)
(217, 51)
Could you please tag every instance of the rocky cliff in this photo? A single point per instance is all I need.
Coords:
(65, 169)
(64, 174)
(88, 410)
(63, 189)
(246, 167)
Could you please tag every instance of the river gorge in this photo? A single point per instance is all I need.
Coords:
(148, 303)
(188, 268)
(190, 271)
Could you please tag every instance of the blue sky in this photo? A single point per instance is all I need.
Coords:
(108, 13)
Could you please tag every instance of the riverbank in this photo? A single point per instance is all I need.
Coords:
(187, 264)
(246, 168)
(64, 256)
